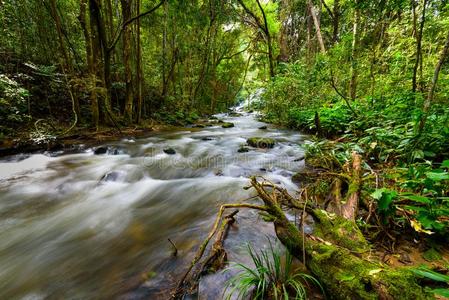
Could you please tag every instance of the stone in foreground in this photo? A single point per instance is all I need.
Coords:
(259, 142)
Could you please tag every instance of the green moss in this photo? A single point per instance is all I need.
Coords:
(340, 231)
(259, 142)
(227, 125)
(346, 276)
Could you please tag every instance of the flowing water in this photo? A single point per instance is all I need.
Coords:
(90, 226)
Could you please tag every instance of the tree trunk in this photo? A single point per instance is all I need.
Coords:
(336, 21)
(351, 207)
(126, 14)
(91, 63)
(430, 95)
(317, 26)
(164, 51)
(354, 53)
(139, 75)
(418, 55)
(269, 40)
(66, 62)
(264, 27)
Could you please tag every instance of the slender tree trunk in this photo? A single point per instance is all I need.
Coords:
(269, 40)
(354, 53)
(418, 55)
(263, 25)
(91, 61)
(430, 95)
(336, 21)
(309, 36)
(66, 62)
(126, 14)
(317, 26)
(164, 51)
(139, 75)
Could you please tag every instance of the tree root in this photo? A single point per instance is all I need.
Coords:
(217, 257)
(334, 254)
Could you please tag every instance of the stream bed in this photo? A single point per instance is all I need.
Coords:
(96, 226)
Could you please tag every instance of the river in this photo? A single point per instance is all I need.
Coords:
(88, 226)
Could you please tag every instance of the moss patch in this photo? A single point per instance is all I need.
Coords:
(227, 125)
(259, 142)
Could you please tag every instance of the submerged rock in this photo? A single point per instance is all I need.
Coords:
(259, 142)
(227, 125)
(263, 127)
(243, 149)
(111, 176)
(108, 150)
(100, 150)
(169, 151)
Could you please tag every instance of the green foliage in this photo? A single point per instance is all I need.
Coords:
(272, 277)
(424, 272)
(13, 103)
(424, 194)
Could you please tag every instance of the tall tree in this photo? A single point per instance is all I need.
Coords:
(129, 97)
(431, 93)
(418, 36)
(263, 26)
(354, 52)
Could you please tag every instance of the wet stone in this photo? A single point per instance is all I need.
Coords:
(227, 125)
(169, 151)
(100, 150)
(259, 142)
(243, 149)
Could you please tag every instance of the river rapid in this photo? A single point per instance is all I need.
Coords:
(95, 226)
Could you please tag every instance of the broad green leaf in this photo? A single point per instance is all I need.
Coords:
(377, 194)
(445, 164)
(417, 198)
(427, 273)
(436, 176)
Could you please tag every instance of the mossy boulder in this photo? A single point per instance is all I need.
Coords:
(259, 142)
(227, 125)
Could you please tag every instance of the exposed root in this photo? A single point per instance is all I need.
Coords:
(217, 257)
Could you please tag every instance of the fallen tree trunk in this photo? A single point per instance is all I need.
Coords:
(335, 254)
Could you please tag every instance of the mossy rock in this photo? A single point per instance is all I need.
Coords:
(243, 149)
(259, 142)
(227, 125)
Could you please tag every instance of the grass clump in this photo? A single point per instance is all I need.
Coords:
(272, 277)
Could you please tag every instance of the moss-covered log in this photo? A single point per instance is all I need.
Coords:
(335, 255)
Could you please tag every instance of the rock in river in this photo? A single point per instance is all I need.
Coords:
(227, 125)
(169, 151)
(259, 142)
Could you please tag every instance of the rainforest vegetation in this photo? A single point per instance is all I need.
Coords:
(368, 81)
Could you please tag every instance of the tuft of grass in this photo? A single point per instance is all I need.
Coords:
(272, 277)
